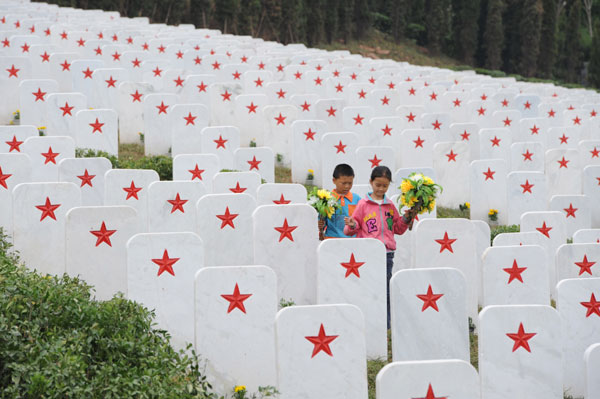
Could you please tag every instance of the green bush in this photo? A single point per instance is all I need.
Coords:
(56, 342)
(163, 165)
(503, 229)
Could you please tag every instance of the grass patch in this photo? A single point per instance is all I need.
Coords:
(283, 174)
(443, 213)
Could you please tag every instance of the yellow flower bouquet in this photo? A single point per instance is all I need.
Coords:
(419, 192)
(323, 202)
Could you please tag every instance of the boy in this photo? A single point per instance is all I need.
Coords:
(343, 178)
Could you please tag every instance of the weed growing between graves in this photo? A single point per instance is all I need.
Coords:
(515, 228)
(131, 159)
(56, 342)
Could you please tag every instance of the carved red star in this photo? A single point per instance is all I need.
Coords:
(321, 342)
(362, 94)
(236, 300)
(237, 189)
(436, 125)
(39, 94)
(12, 71)
(570, 211)
(103, 235)
(456, 102)
(551, 113)
(585, 266)
(216, 65)
(165, 264)
(96, 126)
(3, 178)
(226, 96)
(411, 117)
(576, 121)
(593, 306)
(481, 111)
(318, 81)
(418, 142)
(5, 43)
(190, 119)
(178, 82)
(66, 109)
(358, 120)
(387, 131)
(177, 204)
(545, 230)
(136, 63)
(563, 163)
(137, 96)
(375, 161)
(331, 111)
(45, 57)
(132, 191)
(521, 338)
(252, 108)
(534, 130)
(564, 139)
(66, 66)
(451, 156)
(527, 105)
(431, 395)
(527, 155)
(495, 141)
(280, 93)
(63, 35)
(86, 179)
(254, 163)
(595, 153)
(157, 71)
(310, 135)
(446, 243)
(50, 156)
(305, 106)
(87, 73)
(281, 201)
(514, 272)
(433, 96)
(412, 91)
(285, 231)
(430, 299)
(339, 88)
(196, 173)
(98, 50)
(504, 103)
(202, 87)
(465, 136)
(527, 187)
(483, 97)
(341, 147)
(220, 142)
(48, 209)
(162, 108)
(14, 144)
(507, 122)
(489, 174)
(385, 100)
(280, 119)
(227, 218)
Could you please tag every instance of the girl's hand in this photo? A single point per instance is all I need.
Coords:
(350, 222)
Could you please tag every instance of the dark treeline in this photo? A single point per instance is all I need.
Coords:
(551, 39)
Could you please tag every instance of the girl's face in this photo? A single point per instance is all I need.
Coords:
(380, 186)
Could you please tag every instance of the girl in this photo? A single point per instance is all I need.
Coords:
(376, 216)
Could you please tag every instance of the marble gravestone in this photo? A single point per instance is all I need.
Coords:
(98, 129)
(95, 246)
(235, 310)
(578, 261)
(156, 114)
(13, 137)
(526, 193)
(586, 235)
(306, 143)
(577, 210)
(259, 159)
(160, 275)
(429, 315)
(197, 168)
(592, 362)
(321, 352)
(578, 305)
(14, 169)
(88, 174)
(281, 194)
(221, 141)
(45, 154)
(488, 189)
(353, 272)
(451, 165)
(520, 352)
(428, 379)
(172, 205)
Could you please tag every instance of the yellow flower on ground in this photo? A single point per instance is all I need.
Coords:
(406, 186)
(324, 194)
(468, 205)
(239, 388)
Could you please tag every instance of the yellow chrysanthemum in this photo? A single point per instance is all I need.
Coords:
(406, 186)
(492, 212)
(403, 200)
(429, 181)
(311, 171)
(239, 388)
(431, 205)
(468, 205)
(324, 194)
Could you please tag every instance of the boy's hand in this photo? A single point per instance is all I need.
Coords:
(350, 222)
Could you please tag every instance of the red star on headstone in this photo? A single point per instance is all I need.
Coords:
(527, 105)
(507, 122)
(563, 163)
(220, 142)
(12, 71)
(593, 113)
(252, 108)
(310, 135)
(47, 31)
(341, 147)
(115, 37)
(385, 100)
(162, 108)
(339, 88)
(481, 111)
(387, 131)
(336, 74)
(202, 87)
(130, 40)
(551, 113)
(352, 266)
(318, 81)
(45, 57)
(489, 174)
(236, 300)
(244, 59)
(190, 119)
(430, 299)
(227, 218)
(595, 153)
(66, 109)
(515, 272)
(103, 235)
(132, 191)
(157, 71)
(483, 97)
(495, 141)
(50, 156)
(165, 264)
(237, 189)
(226, 96)
(433, 96)
(331, 111)
(66, 66)
(598, 178)
(504, 103)
(87, 73)
(451, 156)
(535, 129)
(254, 163)
(136, 63)
(412, 91)
(585, 266)
(81, 42)
(216, 65)
(25, 48)
(86, 178)
(465, 136)
(362, 94)
(179, 54)
(411, 117)
(456, 102)
(196, 173)
(521, 338)
(236, 75)
(358, 120)
(446, 243)
(47, 209)
(145, 47)
(354, 76)
(178, 81)
(305, 106)
(3, 178)
(280, 119)
(285, 231)
(14, 144)
(564, 139)
(5, 43)
(431, 395)
(418, 142)
(98, 50)
(545, 230)
(39, 94)
(137, 96)
(63, 35)
(280, 93)
(436, 125)
(527, 155)
(571, 211)
(527, 187)
(375, 161)
(321, 342)
(593, 306)
(96, 126)
(177, 203)
(281, 201)
(576, 121)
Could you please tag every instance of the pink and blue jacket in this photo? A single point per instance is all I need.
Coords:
(377, 221)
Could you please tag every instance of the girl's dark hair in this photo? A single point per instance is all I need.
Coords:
(381, 171)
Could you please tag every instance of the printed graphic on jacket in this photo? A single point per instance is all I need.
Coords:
(371, 222)
(389, 218)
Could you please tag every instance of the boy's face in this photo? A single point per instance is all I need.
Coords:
(343, 184)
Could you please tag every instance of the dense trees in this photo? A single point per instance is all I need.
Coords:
(544, 38)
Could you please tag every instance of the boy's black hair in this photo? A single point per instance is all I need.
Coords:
(343, 170)
(381, 171)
